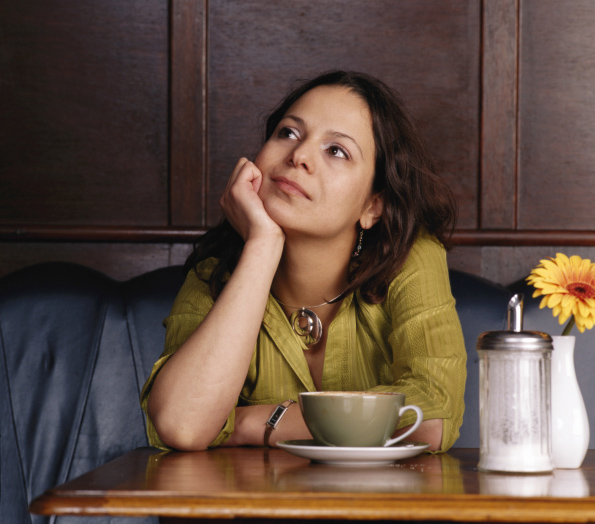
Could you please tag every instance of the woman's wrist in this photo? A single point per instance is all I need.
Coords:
(263, 256)
(250, 425)
(271, 243)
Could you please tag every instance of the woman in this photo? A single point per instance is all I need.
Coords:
(329, 273)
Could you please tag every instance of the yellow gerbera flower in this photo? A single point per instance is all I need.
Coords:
(568, 288)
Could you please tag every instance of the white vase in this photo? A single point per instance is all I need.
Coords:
(570, 424)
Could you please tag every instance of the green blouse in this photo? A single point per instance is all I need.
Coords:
(411, 343)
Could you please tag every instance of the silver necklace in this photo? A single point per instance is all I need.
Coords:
(313, 325)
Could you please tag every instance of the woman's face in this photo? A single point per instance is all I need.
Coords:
(318, 166)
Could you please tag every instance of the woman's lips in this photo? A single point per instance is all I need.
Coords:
(289, 186)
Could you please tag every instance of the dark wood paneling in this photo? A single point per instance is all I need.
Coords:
(499, 114)
(557, 115)
(465, 258)
(120, 261)
(428, 50)
(83, 105)
(188, 110)
(509, 264)
(123, 260)
(95, 97)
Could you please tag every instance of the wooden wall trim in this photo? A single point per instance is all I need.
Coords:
(188, 153)
(463, 237)
(500, 21)
(524, 238)
(98, 234)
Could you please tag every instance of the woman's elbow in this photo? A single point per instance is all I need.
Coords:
(432, 433)
(183, 440)
(182, 437)
(177, 432)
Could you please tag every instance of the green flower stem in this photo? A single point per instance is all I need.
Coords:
(569, 326)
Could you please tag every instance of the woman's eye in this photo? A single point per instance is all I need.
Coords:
(286, 132)
(338, 152)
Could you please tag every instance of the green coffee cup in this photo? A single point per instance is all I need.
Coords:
(355, 418)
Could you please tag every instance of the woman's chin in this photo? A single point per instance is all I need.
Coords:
(281, 212)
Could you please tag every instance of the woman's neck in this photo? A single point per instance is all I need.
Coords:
(311, 273)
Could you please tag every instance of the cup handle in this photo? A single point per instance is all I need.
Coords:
(420, 418)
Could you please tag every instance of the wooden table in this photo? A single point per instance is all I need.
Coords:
(257, 483)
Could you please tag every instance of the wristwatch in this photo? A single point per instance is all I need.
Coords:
(275, 418)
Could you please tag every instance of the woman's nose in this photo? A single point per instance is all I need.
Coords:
(302, 156)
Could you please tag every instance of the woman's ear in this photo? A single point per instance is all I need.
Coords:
(372, 212)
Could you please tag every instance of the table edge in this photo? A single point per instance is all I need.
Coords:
(463, 507)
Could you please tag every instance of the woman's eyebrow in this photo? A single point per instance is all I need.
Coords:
(336, 134)
(343, 135)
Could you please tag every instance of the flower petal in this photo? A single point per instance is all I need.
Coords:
(564, 316)
(555, 299)
(568, 300)
(562, 258)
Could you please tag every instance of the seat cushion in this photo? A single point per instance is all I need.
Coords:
(75, 348)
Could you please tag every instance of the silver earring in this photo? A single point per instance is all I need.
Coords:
(358, 248)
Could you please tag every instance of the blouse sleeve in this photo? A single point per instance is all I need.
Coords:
(426, 338)
(190, 307)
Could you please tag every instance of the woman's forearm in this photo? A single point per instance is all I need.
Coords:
(199, 385)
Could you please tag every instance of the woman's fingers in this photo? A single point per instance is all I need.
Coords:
(241, 204)
(240, 186)
(236, 171)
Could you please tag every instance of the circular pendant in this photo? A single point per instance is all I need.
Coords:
(305, 322)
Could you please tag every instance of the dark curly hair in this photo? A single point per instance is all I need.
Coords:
(414, 196)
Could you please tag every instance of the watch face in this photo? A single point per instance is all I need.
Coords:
(276, 416)
(278, 413)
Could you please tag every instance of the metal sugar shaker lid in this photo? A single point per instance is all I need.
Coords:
(515, 339)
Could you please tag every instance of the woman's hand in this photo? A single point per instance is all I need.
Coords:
(242, 206)
(429, 431)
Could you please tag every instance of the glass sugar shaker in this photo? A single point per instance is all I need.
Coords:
(515, 397)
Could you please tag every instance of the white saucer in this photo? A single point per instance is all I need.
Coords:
(347, 456)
